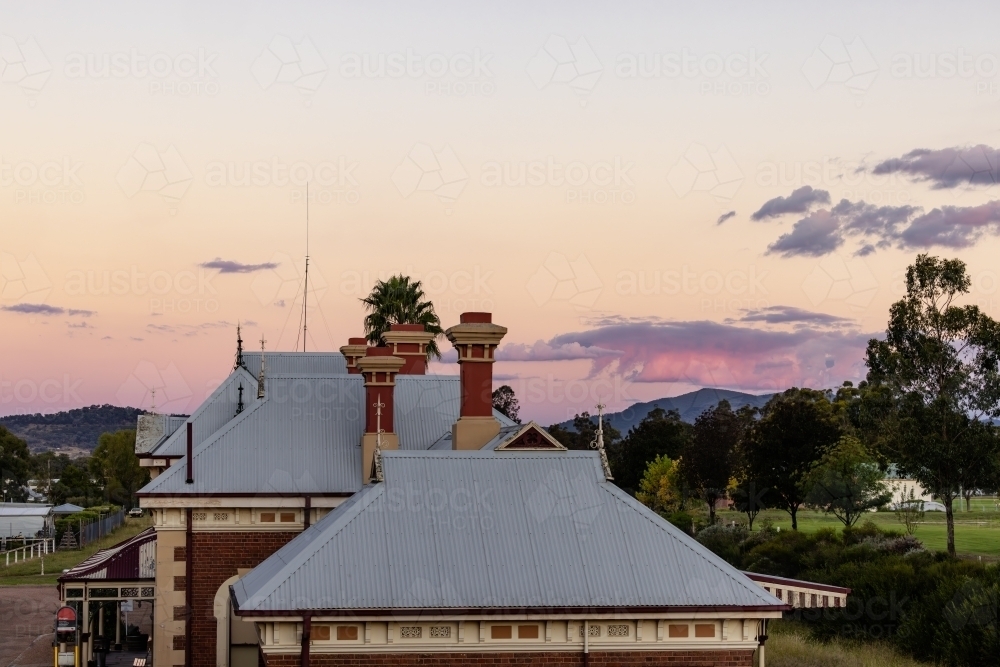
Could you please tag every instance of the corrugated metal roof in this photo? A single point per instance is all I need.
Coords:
(484, 529)
(66, 508)
(425, 408)
(303, 437)
(298, 363)
(218, 409)
(24, 509)
(135, 558)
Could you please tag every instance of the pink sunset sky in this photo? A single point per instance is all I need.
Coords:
(652, 197)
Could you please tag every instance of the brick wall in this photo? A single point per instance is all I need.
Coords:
(740, 658)
(217, 557)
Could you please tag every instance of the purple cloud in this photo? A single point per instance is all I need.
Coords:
(725, 216)
(73, 312)
(953, 226)
(816, 234)
(713, 354)
(947, 168)
(800, 201)
(229, 266)
(791, 315)
(542, 351)
(907, 227)
(34, 309)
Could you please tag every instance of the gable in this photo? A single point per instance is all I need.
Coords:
(531, 437)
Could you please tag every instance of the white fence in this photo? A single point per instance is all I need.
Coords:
(34, 549)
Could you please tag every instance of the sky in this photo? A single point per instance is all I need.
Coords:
(652, 197)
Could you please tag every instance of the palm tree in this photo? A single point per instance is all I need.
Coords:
(399, 300)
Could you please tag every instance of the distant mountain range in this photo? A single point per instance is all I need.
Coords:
(688, 405)
(74, 432)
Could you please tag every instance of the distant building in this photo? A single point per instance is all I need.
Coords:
(25, 520)
(901, 486)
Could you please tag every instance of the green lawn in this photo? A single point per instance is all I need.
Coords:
(977, 532)
(29, 572)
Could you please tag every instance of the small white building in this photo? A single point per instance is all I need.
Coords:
(25, 519)
(902, 485)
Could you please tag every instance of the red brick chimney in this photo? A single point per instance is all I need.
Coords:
(354, 350)
(476, 339)
(379, 369)
(409, 341)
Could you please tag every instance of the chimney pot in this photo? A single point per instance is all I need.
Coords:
(476, 318)
(354, 350)
(357, 341)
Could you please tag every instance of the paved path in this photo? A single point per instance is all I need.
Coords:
(26, 617)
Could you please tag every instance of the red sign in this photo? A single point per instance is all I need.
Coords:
(66, 619)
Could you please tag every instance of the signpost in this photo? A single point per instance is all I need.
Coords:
(66, 647)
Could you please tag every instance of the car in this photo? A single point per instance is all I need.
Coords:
(135, 511)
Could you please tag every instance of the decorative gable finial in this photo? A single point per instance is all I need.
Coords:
(260, 379)
(239, 349)
(152, 408)
(598, 442)
(239, 406)
(377, 458)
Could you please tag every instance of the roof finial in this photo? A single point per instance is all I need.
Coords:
(260, 379)
(152, 408)
(377, 458)
(239, 406)
(239, 349)
(598, 442)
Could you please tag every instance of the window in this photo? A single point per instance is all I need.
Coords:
(704, 630)
(527, 632)
(346, 633)
(677, 631)
(267, 517)
(802, 599)
(322, 633)
(836, 602)
(288, 517)
(826, 601)
(500, 632)
(777, 593)
(767, 588)
(411, 632)
(812, 600)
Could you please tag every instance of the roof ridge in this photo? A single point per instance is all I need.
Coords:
(202, 446)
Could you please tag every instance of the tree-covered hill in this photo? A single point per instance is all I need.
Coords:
(71, 429)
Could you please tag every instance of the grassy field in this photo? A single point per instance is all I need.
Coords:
(28, 572)
(977, 532)
(788, 645)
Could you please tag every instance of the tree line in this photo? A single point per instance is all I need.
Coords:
(111, 474)
(928, 407)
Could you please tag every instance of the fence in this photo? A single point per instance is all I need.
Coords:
(30, 550)
(100, 527)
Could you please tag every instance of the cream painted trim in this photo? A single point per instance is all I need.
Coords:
(436, 618)
(297, 502)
